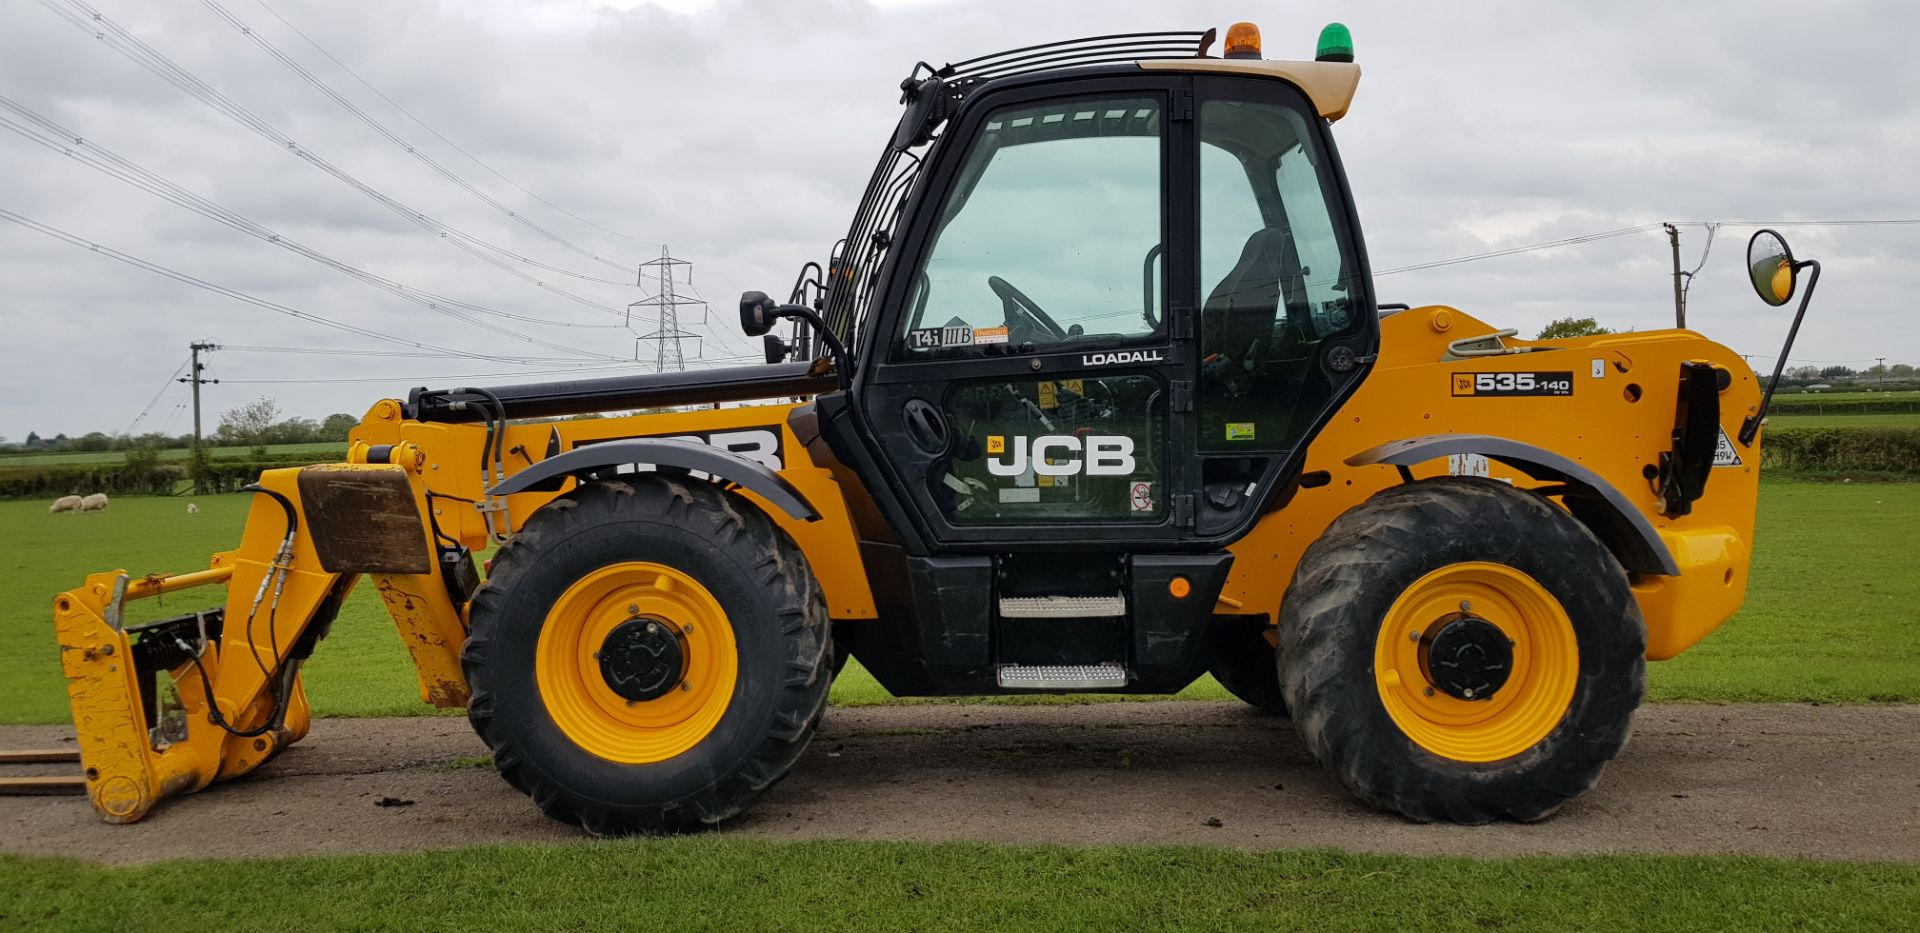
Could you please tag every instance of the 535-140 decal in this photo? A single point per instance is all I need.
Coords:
(1507, 385)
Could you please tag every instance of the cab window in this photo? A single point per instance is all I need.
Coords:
(1051, 234)
(1275, 275)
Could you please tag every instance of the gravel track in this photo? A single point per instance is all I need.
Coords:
(1793, 780)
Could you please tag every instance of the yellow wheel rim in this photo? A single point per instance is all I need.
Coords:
(577, 695)
(1539, 686)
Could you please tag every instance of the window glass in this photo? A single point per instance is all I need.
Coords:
(1035, 451)
(1051, 234)
(1275, 275)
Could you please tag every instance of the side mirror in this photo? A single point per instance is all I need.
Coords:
(1770, 265)
(1775, 273)
(775, 348)
(756, 313)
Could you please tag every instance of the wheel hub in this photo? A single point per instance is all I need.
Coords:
(643, 659)
(1467, 657)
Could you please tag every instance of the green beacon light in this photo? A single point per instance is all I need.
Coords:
(1336, 44)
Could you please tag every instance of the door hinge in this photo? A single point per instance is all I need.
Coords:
(1183, 511)
(1180, 396)
(1180, 323)
(1182, 106)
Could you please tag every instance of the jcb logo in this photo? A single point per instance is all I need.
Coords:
(760, 444)
(1061, 455)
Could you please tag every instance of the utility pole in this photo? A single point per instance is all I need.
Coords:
(195, 378)
(1679, 296)
(668, 356)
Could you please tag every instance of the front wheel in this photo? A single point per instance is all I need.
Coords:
(1456, 649)
(647, 656)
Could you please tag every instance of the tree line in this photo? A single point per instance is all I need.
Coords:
(256, 424)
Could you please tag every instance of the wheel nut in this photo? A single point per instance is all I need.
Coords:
(1466, 605)
(633, 609)
(653, 629)
(1413, 635)
(1428, 691)
(686, 627)
(686, 685)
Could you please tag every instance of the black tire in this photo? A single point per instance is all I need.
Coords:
(772, 603)
(1244, 663)
(1342, 591)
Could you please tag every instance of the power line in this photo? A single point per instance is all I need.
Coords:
(1711, 225)
(132, 48)
(447, 378)
(164, 386)
(1515, 250)
(343, 351)
(437, 134)
(394, 138)
(58, 138)
(236, 295)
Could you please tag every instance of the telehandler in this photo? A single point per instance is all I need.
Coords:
(1095, 396)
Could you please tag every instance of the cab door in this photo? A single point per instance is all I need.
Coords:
(1119, 311)
(1027, 383)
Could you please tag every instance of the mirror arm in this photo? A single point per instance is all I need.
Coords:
(1751, 426)
(842, 363)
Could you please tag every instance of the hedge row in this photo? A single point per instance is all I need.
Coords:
(1811, 404)
(1836, 450)
(52, 482)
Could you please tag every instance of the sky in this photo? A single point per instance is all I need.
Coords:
(741, 133)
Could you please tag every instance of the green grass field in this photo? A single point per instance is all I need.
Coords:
(324, 449)
(713, 882)
(1830, 616)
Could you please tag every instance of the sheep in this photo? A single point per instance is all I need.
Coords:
(65, 504)
(192, 509)
(94, 503)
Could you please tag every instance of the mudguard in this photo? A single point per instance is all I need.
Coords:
(1612, 516)
(671, 454)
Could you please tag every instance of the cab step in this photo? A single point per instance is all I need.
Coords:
(1062, 607)
(1062, 676)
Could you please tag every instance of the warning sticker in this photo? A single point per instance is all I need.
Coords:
(1240, 430)
(985, 335)
(1018, 494)
(934, 338)
(1140, 497)
(1049, 395)
(996, 444)
(1723, 453)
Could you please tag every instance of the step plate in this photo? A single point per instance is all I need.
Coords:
(1062, 677)
(1062, 607)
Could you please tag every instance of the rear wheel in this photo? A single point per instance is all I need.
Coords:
(1458, 649)
(647, 656)
(1244, 663)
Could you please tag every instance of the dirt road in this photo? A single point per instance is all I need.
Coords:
(1841, 782)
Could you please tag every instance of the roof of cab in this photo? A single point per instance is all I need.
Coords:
(1330, 85)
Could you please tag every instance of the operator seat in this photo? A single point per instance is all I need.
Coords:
(1237, 322)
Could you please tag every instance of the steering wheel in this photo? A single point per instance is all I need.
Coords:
(1013, 301)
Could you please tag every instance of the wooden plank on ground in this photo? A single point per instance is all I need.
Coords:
(27, 786)
(37, 755)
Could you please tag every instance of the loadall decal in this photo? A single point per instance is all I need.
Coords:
(1121, 356)
(1054, 455)
(1510, 385)
(761, 445)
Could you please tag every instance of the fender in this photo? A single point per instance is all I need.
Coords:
(1603, 508)
(725, 465)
